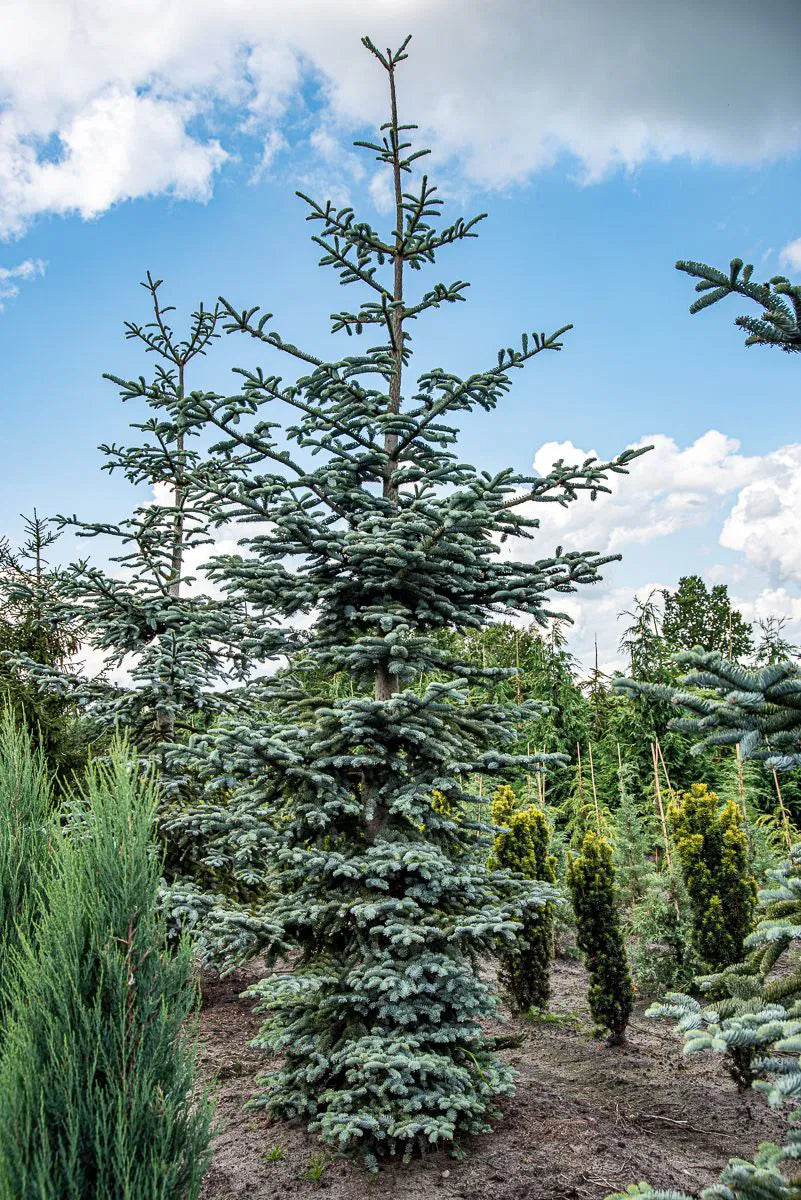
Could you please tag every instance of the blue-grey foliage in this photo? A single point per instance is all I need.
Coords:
(779, 299)
(759, 709)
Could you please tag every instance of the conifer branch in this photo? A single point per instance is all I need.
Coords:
(780, 324)
(480, 385)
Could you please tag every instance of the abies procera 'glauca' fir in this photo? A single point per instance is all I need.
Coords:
(591, 879)
(522, 845)
(370, 523)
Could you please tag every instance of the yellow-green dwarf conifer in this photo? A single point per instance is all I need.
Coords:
(522, 845)
(712, 849)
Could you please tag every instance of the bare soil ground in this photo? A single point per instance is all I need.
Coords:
(586, 1120)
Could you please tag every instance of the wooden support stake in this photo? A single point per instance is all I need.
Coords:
(741, 797)
(661, 808)
(671, 793)
(785, 821)
(580, 775)
(517, 664)
(740, 781)
(540, 784)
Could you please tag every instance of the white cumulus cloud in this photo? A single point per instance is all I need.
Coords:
(751, 505)
(667, 490)
(118, 146)
(764, 522)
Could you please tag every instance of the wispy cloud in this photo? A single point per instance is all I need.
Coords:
(790, 256)
(11, 277)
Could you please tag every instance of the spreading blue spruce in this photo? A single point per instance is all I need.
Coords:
(374, 531)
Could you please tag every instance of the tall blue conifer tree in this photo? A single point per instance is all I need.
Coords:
(374, 528)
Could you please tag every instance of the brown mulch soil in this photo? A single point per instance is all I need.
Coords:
(586, 1119)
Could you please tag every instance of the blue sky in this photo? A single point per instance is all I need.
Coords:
(587, 215)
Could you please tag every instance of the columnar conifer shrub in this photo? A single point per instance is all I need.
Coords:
(369, 521)
(712, 849)
(98, 1094)
(25, 814)
(591, 879)
(504, 804)
(522, 845)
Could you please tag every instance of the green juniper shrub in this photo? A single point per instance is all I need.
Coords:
(632, 840)
(654, 903)
(522, 845)
(712, 849)
(662, 957)
(26, 801)
(98, 1089)
(591, 879)
(564, 928)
